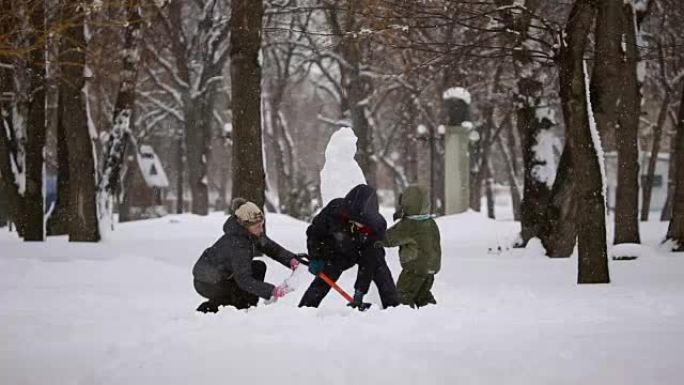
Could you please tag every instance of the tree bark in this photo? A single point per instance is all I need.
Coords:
(197, 147)
(489, 188)
(591, 225)
(560, 236)
(180, 154)
(33, 211)
(536, 193)
(411, 149)
(8, 153)
(245, 41)
(110, 184)
(83, 226)
(627, 191)
(511, 152)
(15, 201)
(476, 170)
(647, 188)
(675, 230)
(277, 129)
(125, 205)
(607, 70)
(58, 223)
(666, 213)
(512, 179)
(480, 152)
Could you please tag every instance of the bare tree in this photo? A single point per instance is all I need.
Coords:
(531, 100)
(607, 70)
(585, 146)
(647, 187)
(13, 108)
(120, 134)
(198, 35)
(662, 79)
(83, 224)
(285, 57)
(675, 231)
(627, 192)
(245, 43)
(35, 126)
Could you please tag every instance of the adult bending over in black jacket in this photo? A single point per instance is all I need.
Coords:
(226, 274)
(342, 235)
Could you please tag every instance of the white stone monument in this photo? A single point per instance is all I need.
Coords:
(456, 156)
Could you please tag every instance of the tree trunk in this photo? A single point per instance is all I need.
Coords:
(607, 71)
(58, 223)
(647, 187)
(627, 191)
(110, 183)
(15, 201)
(245, 41)
(512, 179)
(584, 146)
(477, 174)
(125, 205)
(536, 193)
(560, 236)
(197, 150)
(83, 226)
(35, 129)
(180, 154)
(675, 231)
(364, 154)
(477, 164)
(510, 153)
(666, 213)
(283, 171)
(489, 189)
(8, 153)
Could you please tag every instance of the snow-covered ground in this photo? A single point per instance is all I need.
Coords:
(122, 312)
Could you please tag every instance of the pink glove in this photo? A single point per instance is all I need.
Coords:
(294, 263)
(280, 290)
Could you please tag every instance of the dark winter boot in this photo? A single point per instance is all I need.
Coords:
(208, 307)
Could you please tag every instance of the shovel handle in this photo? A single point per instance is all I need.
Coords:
(327, 280)
(332, 284)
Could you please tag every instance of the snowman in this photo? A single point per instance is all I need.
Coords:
(340, 172)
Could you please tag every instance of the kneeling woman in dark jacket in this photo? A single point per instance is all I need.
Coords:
(226, 273)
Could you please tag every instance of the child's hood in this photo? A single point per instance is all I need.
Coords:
(414, 201)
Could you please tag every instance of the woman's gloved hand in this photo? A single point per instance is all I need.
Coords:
(280, 290)
(294, 263)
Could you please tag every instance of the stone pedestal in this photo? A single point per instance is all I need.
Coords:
(456, 169)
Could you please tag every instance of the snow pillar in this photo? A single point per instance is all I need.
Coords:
(456, 157)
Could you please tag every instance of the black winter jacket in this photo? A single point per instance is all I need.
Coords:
(231, 258)
(332, 237)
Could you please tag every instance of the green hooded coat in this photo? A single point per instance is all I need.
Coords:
(416, 234)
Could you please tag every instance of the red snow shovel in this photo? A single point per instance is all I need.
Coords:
(363, 306)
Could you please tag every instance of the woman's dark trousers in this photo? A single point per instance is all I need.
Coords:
(227, 293)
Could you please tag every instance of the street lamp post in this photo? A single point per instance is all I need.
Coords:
(432, 136)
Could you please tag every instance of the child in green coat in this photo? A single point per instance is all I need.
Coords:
(420, 253)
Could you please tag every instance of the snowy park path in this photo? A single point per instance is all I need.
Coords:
(122, 312)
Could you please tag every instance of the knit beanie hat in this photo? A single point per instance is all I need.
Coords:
(246, 212)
